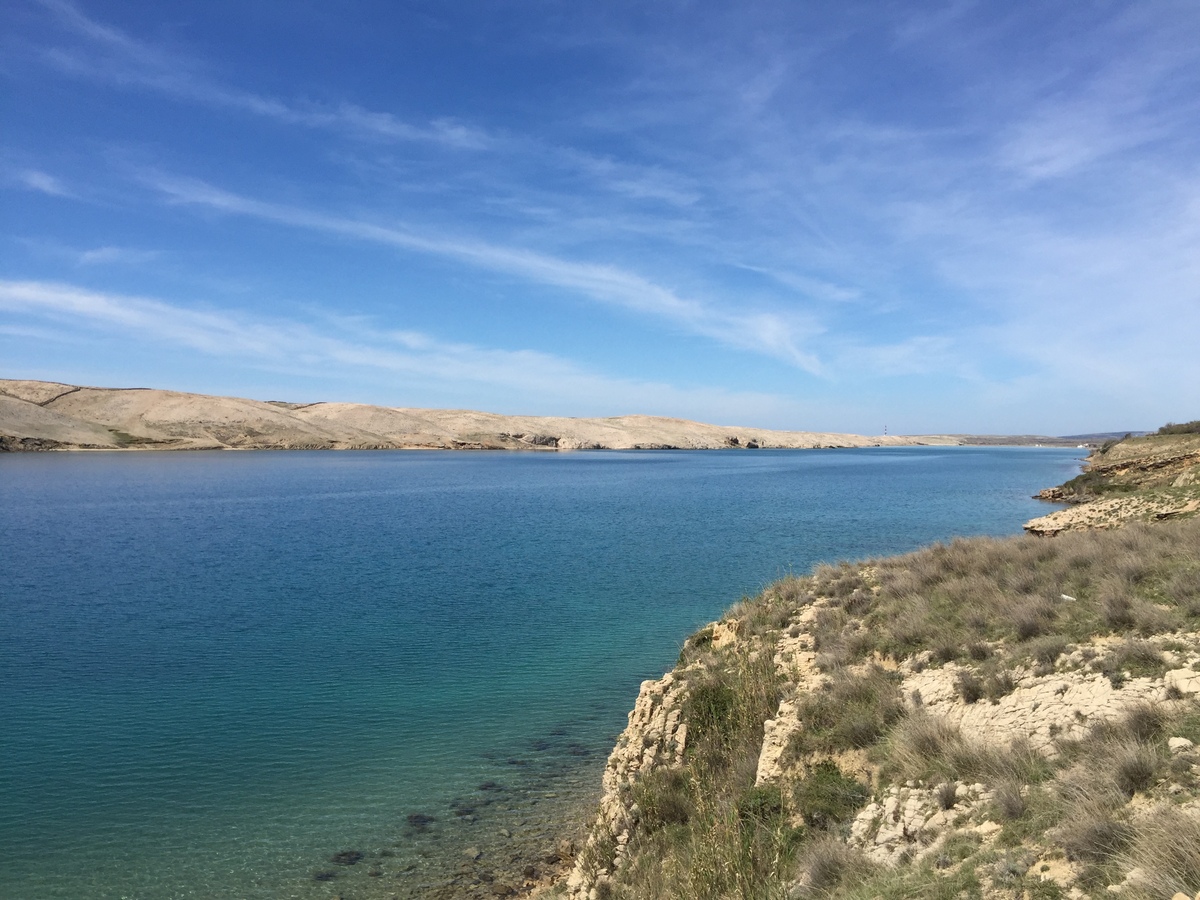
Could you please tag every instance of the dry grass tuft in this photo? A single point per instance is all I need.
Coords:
(828, 864)
(923, 747)
(852, 711)
(1145, 721)
(947, 794)
(1134, 657)
(1166, 847)
(1092, 833)
(1135, 765)
(1009, 799)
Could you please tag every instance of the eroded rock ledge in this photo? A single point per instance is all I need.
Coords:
(1141, 479)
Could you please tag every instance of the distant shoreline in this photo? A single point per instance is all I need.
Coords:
(37, 416)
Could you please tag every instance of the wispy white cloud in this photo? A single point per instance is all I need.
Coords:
(114, 57)
(806, 285)
(771, 333)
(43, 182)
(921, 355)
(348, 344)
(110, 254)
(117, 58)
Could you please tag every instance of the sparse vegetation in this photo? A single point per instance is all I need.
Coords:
(1192, 427)
(853, 711)
(825, 797)
(995, 613)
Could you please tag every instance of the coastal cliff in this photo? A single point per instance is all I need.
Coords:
(1137, 479)
(42, 415)
(985, 718)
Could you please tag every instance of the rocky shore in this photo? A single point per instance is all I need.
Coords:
(1138, 479)
(985, 718)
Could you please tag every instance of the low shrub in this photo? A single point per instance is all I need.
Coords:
(1030, 616)
(1112, 599)
(826, 797)
(1134, 766)
(695, 646)
(664, 797)
(1027, 814)
(1192, 427)
(761, 803)
(852, 711)
(710, 706)
(1145, 721)
(979, 651)
(969, 686)
(1009, 799)
(828, 864)
(1046, 650)
(727, 704)
(1095, 838)
(922, 747)
(858, 602)
(947, 794)
(1141, 659)
(998, 684)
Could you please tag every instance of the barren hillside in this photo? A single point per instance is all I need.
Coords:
(39, 415)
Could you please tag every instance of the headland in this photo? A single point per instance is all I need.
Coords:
(982, 718)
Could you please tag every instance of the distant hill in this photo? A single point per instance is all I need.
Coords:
(43, 415)
(1101, 436)
(39, 415)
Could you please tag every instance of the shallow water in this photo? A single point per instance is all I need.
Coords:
(221, 669)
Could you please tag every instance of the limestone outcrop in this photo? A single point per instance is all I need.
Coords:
(1142, 479)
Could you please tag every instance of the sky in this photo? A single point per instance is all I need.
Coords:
(929, 217)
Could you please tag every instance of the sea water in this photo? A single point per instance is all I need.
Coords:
(219, 670)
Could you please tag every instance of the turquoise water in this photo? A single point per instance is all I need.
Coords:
(220, 669)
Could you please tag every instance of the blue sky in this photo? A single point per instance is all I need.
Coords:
(938, 217)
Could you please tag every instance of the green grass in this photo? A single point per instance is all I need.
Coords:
(853, 711)
(826, 797)
(1192, 427)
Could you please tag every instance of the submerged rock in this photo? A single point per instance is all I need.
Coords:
(420, 822)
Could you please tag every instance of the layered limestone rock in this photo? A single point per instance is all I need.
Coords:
(1043, 709)
(655, 736)
(1148, 478)
(910, 823)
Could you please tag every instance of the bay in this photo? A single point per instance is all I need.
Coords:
(221, 669)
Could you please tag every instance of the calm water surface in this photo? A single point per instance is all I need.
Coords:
(219, 669)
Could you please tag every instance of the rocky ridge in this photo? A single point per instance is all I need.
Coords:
(41, 415)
